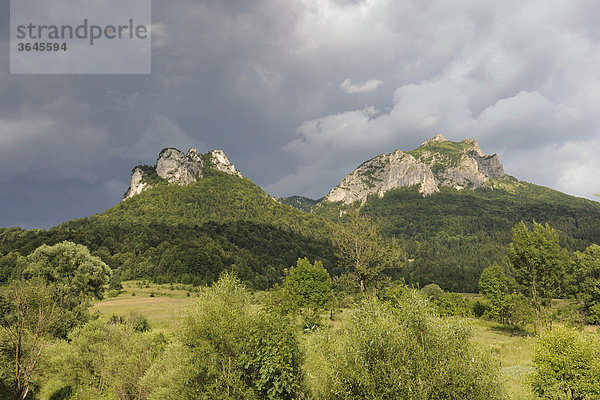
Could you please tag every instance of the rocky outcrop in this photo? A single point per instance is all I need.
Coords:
(220, 161)
(383, 173)
(438, 162)
(491, 166)
(175, 167)
(137, 184)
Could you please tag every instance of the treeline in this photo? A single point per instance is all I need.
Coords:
(187, 254)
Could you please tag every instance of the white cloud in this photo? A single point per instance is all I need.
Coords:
(360, 87)
(523, 80)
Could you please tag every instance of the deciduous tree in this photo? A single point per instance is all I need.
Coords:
(29, 312)
(363, 248)
(539, 264)
(587, 277)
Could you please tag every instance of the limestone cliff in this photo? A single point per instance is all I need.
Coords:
(220, 161)
(175, 167)
(437, 162)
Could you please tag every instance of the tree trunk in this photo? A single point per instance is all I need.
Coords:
(537, 307)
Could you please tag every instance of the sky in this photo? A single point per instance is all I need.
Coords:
(299, 93)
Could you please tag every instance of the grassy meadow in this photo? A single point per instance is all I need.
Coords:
(164, 305)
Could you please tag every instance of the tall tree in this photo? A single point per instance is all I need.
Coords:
(493, 284)
(54, 297)
(363, 248)
(73, 274)
(29, 312)
(539, 263)
(587, 276)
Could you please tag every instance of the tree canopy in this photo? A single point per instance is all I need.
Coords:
(540, 264)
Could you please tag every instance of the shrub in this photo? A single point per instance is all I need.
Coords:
(399, 350)
(567, 365)
(432, 291)
(138, 322)
(453, 304)
(112, 293)
(226, 348)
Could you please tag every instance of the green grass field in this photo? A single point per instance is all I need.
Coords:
(163, 310)
(511, 347)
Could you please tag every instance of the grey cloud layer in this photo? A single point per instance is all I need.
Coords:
(261, 80)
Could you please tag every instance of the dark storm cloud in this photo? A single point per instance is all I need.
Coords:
(264, 81)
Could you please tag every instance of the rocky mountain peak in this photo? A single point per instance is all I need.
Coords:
(437, 162)
(175, 167)
(220, 161)
(436, 139)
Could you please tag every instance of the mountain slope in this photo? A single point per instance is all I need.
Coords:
(465, 224)
(191, 231)
(299, 202)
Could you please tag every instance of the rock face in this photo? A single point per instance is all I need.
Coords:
(438, 162)
(173, 166)
(220, 161)
(137, 185)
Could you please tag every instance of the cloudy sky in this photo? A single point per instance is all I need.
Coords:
(298, 93)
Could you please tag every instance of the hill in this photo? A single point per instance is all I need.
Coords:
(190, 228)
(454, 208)
(191, 216)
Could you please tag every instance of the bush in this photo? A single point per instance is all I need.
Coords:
(112, 293)
(453, 305)
(228, 348)
(399, 350)
(101, 361)
(432, 291)
(567, 365)
(138, 322)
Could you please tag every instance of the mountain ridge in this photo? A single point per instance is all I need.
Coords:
(437, 162)
(196, 216)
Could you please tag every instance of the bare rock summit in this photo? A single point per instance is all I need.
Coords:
(175, 167)
(437, 162)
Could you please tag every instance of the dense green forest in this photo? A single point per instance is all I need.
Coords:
(299, 202)
(453, 235)
(189, 234)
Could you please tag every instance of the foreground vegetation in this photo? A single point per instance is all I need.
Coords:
(231, 344)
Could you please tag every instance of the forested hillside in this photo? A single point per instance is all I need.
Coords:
(452, 235)
(190, 234)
